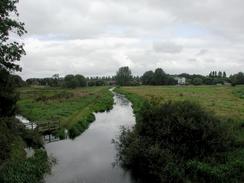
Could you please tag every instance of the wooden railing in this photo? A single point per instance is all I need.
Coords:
(48, 126)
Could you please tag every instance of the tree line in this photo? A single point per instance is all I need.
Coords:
(124, 77)
(160, 77)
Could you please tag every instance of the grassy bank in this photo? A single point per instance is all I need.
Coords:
(15, 166)
(72, 107)
(223, 100)
(23, 170)
(226, 102)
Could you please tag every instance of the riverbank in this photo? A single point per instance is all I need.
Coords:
(226, 99)
(16, 165)
(91, 156)
(74, 108)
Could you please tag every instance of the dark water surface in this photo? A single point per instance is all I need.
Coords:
(89, 158)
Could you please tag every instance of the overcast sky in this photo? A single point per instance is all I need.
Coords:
(96, 37)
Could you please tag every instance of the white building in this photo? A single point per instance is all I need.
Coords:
(180, 80)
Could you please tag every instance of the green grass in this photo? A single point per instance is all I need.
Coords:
(26, 170)
(69, 106)
(223, 100)
(226, 101)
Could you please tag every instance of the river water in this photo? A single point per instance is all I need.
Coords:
(89, 158)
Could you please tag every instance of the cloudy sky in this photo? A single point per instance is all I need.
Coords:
(96, 37)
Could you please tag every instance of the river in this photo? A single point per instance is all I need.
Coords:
(89, 158)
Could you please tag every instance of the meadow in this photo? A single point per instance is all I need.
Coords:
(225, 101)
(74, 108)
(152, 126)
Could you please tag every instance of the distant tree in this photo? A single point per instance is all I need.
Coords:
(224, 74)
(159, 77)
(237, 79)
(70, 81)
(123, 76)
(100, 82)
(147, 78)
(170, 80)
(81, 79)
(17, 81)
(220, 74)
(197, 81)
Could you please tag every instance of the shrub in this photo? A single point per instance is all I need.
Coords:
(169, 137)
(29, 170)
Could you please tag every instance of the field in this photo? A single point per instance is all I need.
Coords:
(225, 101)
(72, 107)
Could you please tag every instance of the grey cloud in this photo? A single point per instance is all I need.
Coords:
(167, 47)
(202, 52)
(96, 37)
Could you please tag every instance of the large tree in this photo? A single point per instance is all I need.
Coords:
(10, 52)
(123, 76)
(70, 81)
(237, 78)
(147, 78)
(81, 80)
(159, 77)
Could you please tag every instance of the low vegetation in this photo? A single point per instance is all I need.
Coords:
(176, 139)
(26, 170)
(72, 107)
(14, 165)
(225, 101)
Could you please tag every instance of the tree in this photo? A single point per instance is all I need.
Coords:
(159, 77)
(197, 81)
(123, 76)
(224, 74)
(10, 52)
(70, 81)
(220, 74)
(237, 78)
(81, 80)
(147, 78)
(178, 142)
(17, 81)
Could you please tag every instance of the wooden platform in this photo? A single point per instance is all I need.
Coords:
(47, 126)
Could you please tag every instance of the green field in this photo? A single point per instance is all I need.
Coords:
(72, 107)
(225, 101)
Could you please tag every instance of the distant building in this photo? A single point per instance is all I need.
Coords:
(180, 80)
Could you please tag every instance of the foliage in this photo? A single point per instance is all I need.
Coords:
(10, 51)
(197, 81)
(170, 139)
(239, 92)
(29, 170)
(159, 77)
(123, 76)
(147, 78)
(237, 79)
(63, 95)
(69, 106)
(8, 96)
(13, 137)
(213, 78)
(71, 81)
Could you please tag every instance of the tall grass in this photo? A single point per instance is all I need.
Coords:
(74, 108)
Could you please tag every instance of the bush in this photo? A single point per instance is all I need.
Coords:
(169, 137)
(29, 170)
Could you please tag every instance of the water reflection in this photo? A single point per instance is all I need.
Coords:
(89, 158)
